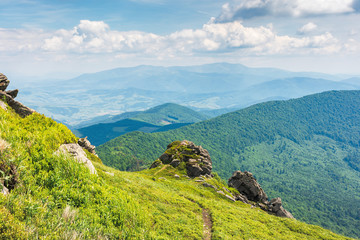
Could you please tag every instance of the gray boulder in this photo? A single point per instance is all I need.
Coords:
(4, 82)
(205, 184)
(155, 164)
(9, 96)
(85, 143)
(19, 108)
(175, 163)
(74, 150)
(247, 185)
(251, 190)
(13, 93)
(275, 206)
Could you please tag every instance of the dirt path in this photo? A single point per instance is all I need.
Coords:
(162, 169)
(207, 224)
(207, 220)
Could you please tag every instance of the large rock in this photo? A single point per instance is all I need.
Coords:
(13, 93)
(85, 143)
(74, 150)
(4, 82)
(247, 185)
(20, 108)
(9, 96)
(186, 154)
(275, 206)
(251, 190)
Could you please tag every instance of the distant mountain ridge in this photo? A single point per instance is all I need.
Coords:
(304, 150)
(204, 87)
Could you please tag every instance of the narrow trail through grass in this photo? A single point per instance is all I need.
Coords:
(207, 224)
(207, 221)
(162, 169)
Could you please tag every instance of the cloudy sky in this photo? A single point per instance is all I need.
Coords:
(63, 38)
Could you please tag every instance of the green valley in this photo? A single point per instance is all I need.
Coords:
(303, 150)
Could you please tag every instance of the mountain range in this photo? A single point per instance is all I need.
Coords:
(304, 150)
(205, 87)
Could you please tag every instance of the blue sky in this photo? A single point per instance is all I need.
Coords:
(63, 38)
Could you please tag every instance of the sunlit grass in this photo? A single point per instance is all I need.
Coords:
(57, 198)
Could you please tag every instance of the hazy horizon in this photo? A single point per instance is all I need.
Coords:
(68, 38)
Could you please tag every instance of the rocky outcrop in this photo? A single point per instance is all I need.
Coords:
(4, 82)
(13, 93)
(250, 189)
(275, 206)
(8, 97)
(85, 143)
(75, 151)
(186, 155)
(247, 185)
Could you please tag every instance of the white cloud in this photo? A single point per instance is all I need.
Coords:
(214, 39)
(92, 28)
(307, 28)
(352, 46)
(242, 9)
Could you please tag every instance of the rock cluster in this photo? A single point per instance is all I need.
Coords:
(8, 97)
(197, 162)
(250, 189)
(4, 82)
(74, 150)
(85, 143)
(275, 206)
(187, 155)
(247, 185)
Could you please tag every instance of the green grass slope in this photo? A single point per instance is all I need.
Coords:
(54, 197)
(303, 150)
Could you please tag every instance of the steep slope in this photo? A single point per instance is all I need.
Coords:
(160, 118)
(55, 197)
(301, 150)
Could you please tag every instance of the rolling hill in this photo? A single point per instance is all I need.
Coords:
(160, 118)
(303, 150)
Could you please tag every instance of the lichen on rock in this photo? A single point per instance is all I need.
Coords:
(186, 155)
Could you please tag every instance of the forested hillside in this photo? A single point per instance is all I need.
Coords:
(303, 150)
(49, 195)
